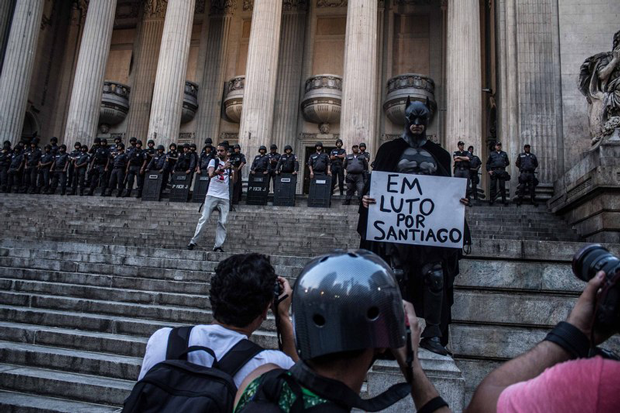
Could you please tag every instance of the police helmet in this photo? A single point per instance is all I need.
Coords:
(362, 145)
(262, 148)
(84, 147)
(97, 140)
(338, 141)
(139, 142)
(63, 146)
(120, 145)
(186, 145)
(117, 139)
(192, 146)
(172, 145)
(208, 141)
(237, 146)
(347, 301)
(35, 140)
(273, 146)
(460, 143)
(161, 148)
(77, 144)
(288, 148)
(54, 139)
(316, 145)
(104, 142)
(48, 147)
(151, 141)
(133, 139)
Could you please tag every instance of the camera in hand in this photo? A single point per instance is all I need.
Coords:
(587, 262)
(277, 290)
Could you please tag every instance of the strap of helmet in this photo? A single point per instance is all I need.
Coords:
(339, 393)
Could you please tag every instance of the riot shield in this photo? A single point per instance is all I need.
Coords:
(181, 183)
(285, 187)
(257, 189)
(320, 195)
(200, 187)
(152, 186)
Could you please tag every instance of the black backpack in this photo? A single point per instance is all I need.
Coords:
(176, 385)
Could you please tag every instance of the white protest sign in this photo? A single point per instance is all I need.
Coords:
(416, 209)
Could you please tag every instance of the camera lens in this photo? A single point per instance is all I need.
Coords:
(593, 258)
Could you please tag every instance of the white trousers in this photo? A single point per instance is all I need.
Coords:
(211, 204)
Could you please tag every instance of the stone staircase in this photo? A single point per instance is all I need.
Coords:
(85, 281)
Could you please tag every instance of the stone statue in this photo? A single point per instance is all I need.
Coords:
(599, 81)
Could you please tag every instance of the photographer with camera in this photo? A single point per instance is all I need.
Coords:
(557, 375)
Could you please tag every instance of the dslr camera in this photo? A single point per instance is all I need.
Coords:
(588, 261)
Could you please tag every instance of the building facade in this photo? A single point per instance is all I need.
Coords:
(296, 72)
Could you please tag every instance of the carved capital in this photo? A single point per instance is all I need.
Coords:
(200, 6)
(331, 3)
(221, 7)
(127, 9)
(155, 9)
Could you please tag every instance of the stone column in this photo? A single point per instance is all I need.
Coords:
(6, 14)
(464, 75)
(260, 77)
(83, 117)
(211, 87)
(289, 74)
(358, 119)
(18, 64)
(146, 68)
(167, 105)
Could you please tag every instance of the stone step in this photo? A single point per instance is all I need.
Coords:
(70, 360)
(81, 387)
(12, 402)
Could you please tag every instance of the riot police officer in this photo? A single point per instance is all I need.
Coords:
(119, 162)
(238, 161)
(496, 167)
(274, 158)
(336, 157)
(527, 164)
(365, 154)
(288, 163)
(186, 163)
(158, 162)
(59, 170)
(462, 160)
(260, 165)
(147, 155)
(80, 166)
(16, 168)
(33, 156)
(72, 157)
(98, 167)
(54, 143)
(355, 165)
(318, 163)
(171, 159)
(45, 164)
(135, 160)
(5, 162)
(194, 155)
(474, 166)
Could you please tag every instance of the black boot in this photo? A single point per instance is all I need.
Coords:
(433, 344)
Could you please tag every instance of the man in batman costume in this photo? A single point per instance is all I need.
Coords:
(425, 274)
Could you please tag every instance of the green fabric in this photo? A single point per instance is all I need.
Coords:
(287, 396)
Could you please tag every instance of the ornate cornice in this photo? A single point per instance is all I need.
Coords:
(415, 2)
(200, 6)
(331, 3)
(127, 9)
(221, 7)
(155, 8)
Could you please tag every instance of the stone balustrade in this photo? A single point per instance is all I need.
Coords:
(413, 85)
(190, 102)
(322, 100)
(114, 103)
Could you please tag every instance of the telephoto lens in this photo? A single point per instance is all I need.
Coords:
(587, 262)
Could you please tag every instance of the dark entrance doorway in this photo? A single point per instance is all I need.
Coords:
(309, 151)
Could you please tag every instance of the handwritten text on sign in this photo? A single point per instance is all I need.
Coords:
(416, 209)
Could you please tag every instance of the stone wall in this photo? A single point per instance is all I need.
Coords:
(586, 28)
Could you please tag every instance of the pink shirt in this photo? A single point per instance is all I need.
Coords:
(579, 386)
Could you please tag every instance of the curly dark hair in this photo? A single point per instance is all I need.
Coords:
(241, 289)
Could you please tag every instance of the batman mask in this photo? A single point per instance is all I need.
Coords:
(416, 113)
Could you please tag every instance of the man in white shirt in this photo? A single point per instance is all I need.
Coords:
(218, 197)
(241, 293)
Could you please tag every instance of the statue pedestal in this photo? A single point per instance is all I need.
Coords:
(442, 371)
(588, 195)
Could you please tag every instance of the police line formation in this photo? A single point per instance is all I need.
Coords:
(29, 169)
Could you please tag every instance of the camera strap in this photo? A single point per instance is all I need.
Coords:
(276, 303)
(570, 338)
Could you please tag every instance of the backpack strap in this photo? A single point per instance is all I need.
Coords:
(178, 342)
(238, 356)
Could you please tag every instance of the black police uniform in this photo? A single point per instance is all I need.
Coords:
(147, 156)
(497, 163)
(44, 172)
(15, 170)
(367, 156)
(236, 160)
(527, 164)
(274, 158)
(59, 172)
(135, 158)
(171, 160)
(98, 170)
(337, 169)
(461, 168)
(54, 149)
(33, 156)
(80, 167)
(319, 163)
(71, 171)
(117, 177)
(474, 165)
(260, 164)
(5, 162)
(158, 162)
(186, 163)
(287, 164)
(355, 164)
